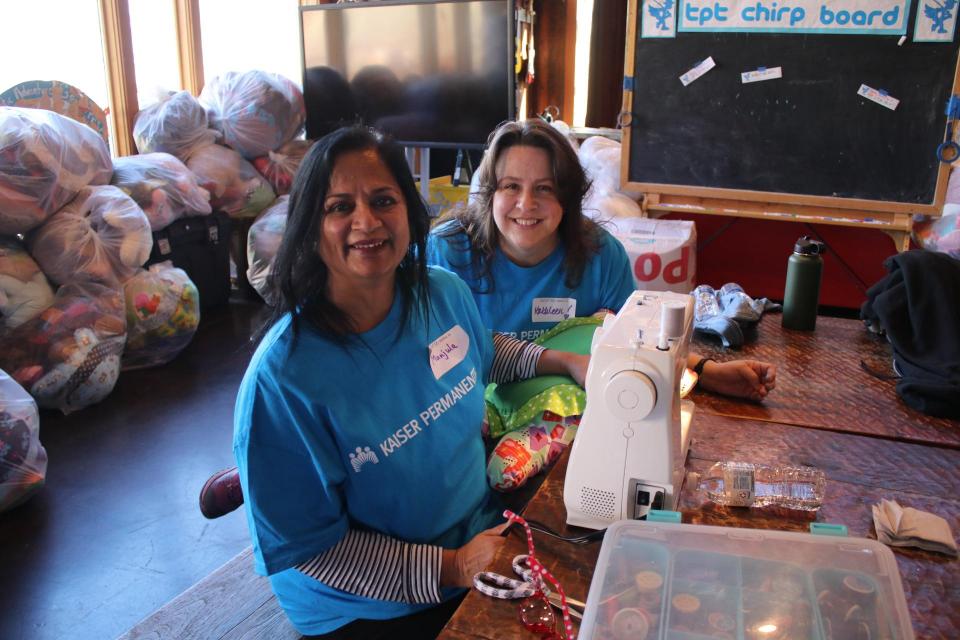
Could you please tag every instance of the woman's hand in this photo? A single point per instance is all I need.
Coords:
(749, 379)
(577, 367)
(460, 565)
(564, 363)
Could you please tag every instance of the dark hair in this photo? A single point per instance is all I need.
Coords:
(579, 235)
(299, 276)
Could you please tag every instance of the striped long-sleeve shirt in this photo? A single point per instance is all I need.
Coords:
(380, 567)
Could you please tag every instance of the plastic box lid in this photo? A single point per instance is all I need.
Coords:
(694, 582)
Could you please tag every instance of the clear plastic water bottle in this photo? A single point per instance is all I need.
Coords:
(743, 484)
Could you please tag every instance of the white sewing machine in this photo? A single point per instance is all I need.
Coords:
(629, 453)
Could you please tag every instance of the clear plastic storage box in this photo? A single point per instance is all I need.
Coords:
(692, 582)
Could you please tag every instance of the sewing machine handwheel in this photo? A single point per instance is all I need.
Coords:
(630, 395)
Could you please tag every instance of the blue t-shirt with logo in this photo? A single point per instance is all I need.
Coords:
(381, 435)
(527, 301)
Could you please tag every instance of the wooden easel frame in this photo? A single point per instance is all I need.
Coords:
(893, 218)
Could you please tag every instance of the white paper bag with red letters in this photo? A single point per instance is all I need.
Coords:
(663, 253)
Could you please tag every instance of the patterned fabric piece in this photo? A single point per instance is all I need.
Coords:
(562, 400)
(512, 406)
(523, 453)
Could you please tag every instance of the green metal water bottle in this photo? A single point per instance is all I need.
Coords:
(801, 294)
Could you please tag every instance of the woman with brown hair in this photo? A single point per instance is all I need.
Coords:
(532, 258)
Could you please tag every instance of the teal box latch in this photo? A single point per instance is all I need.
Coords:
(828, 529)
(656, 515)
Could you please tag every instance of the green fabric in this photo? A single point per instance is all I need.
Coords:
(573, 334)
(513, 405)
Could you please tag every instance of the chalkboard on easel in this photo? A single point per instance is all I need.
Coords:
(808, 134)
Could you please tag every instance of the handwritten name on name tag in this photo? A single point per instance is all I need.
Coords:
(553, 309)
(448, 351)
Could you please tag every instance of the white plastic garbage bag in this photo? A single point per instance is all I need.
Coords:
(23, 460)
(45, 159)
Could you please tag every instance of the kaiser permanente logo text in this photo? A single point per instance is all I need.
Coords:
(430, 414)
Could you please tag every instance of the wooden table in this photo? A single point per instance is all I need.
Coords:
(821, 385)
(869, 445)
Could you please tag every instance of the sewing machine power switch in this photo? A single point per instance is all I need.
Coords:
(647, 497)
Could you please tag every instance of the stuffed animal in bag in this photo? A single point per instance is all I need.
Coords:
(280, 166)
(235, 186)
(23, 460)
(162, 186)
(163, 312)
(101, 236)
(45, 159)
(938, 234)
(68, 357)
(263, 242)
(176, 125)
(24, 290)
(255, 111)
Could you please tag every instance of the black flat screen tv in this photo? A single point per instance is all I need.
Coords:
(431, 74)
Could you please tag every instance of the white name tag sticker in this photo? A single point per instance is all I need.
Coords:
(880, 97)
(553, 309)
(761, 74)
(698, 71)
(448, 351)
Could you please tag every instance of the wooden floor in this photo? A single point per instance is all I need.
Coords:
(116, 532)
(200, 614)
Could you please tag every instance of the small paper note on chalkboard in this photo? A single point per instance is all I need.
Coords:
(761, 74)
(698, 71)
(878, 96)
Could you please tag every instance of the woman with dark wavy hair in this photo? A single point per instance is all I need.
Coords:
(301, 274)
(357, 424)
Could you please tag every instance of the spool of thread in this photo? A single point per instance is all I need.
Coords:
(684, 610)
(648, 585)
(858, 589)
(630, 624)
(672, 316)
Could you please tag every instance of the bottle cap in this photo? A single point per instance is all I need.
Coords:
(807, 246)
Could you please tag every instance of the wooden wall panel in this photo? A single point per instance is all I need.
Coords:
(607, 45)
(555, 33)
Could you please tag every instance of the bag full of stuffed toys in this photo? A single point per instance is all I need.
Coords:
(163, 311)
(600, 158)
(280, 166)
(24, 290)
(176, 125)
(101, 236)
(23, 460)
(163, 187)
(68, 356)
(235, 186)
(254, 111)
(263, 242)
(45, 159)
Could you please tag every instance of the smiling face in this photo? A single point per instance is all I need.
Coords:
(525, 205)
(364, 234)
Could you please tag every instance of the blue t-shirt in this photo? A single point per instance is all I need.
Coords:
(383, 435)
(527, 301)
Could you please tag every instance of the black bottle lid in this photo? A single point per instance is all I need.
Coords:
(807, 246)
